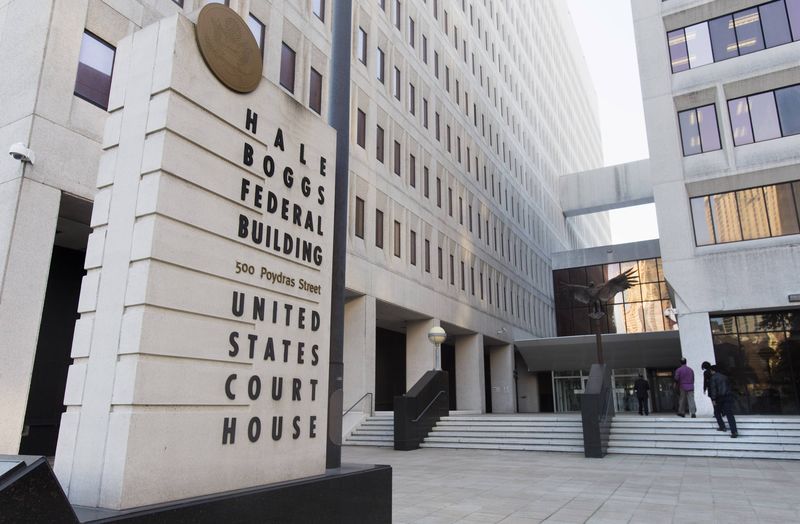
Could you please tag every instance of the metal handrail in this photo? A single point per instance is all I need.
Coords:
(439, 394)
(367, 394)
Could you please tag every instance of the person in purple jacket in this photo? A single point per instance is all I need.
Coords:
(684, 377)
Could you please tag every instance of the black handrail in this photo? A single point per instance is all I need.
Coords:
(412, 424)
(439, 394)
(367, 394)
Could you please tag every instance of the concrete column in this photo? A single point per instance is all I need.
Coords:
(419, 350)
(696, 347)
(28, 217)
(359, 357)
(470, 382)
(501, 364)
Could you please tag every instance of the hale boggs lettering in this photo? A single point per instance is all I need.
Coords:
(276, 350)
(270, 236)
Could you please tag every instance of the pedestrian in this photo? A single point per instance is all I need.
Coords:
(684, 377)
(719, 389)
(641, 388)
(706, 367)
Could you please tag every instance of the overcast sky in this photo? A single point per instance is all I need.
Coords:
(605, 30)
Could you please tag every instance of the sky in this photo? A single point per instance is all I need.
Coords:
(605, 30)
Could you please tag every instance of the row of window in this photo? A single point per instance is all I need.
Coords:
(476, 280)
(747, 214)
(754, 118)
(740, 33)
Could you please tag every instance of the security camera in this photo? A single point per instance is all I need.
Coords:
(19, 152)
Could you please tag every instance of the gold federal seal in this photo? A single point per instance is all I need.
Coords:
(229, 48)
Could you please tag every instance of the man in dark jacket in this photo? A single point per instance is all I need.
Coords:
(641, 387)
(706, 367)
(719, 389)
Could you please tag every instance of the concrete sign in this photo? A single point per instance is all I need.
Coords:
(201, 354)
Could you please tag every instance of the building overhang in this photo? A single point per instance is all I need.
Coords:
(620, 350)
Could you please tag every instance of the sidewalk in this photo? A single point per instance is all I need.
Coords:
(443, 486)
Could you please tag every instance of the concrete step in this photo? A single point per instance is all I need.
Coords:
(505, 446)
(489, 433)
(505, 440)
(368, 443)
(683, 452)
(717, 436)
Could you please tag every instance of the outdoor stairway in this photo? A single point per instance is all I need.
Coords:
(528, 432)
(759, 437)
(377, 430)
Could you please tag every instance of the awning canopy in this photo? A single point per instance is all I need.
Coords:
(620, 350)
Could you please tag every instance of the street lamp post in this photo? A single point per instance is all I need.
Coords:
(437, 335)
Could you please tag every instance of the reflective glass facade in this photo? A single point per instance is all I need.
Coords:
(760, 354)
(637, 310)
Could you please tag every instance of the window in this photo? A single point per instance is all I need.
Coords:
(424, 49)
(742, 32)
(95, 65)
(359, 218)
(318, 7)
(397, 238)
(396, 84)
(436, 64)
(361, 129)
(315, 91)
(379, 228)
(178, 2)
(411, 32)
(362, 46)
(461, 211)
(427, 256)
(379, 144)
(462, 275)
(440, 272)
(258, 30)
(412, 170)
(412, 252)
(425, 181)
(746, 214)
(397, 14)
(397, 158)
(437, 128)
(450, 201)
(765, 116)
(287, 67)
(699, 132)
(438, 192)
(425, 113)
(452, 271)
(412, 108)
(380, 66)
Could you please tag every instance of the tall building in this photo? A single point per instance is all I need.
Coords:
(463, 116)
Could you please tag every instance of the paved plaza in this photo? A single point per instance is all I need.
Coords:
(439, 486)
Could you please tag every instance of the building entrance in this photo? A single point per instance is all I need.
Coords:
(390, 368)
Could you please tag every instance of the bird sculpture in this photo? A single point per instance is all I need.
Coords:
(595, 296)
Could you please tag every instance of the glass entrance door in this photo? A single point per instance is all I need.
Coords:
(624, 397)
(567, 387)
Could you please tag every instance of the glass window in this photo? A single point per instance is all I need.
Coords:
(690, 132)
(315, 91)
(698, 43)
(723, 38)
(709, 133)
(361, 129)
(287, 67)
(726, 218)
(781, 210)
(379, 228)
(397, 238)
(788, 100)
(396, 84)
(411, 31)
(775, 24)
(397, 14)
(258, 30)
(359, 218)
(319, 9)
(764, 116)
(793, 8)
(427, 256)
(412, 252)
(362, 46)
(748, 31)
(653, 315)
(648, 271)
(379, 144)
(740, 121)
(412, 97)
(380, 65)
(752, 213)
(412, 170)
(95, 65)
(701, 216)
(397, 158)
(679, 56)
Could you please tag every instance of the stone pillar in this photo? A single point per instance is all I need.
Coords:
(501, 364)
(28, 217)
(696, 347)
(419, 350)
(359, 357)
(470, 382)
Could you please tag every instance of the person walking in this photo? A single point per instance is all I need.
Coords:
(719, 389)
(706, 367)
(641, 387)
(684, 377)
